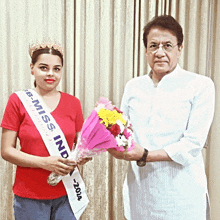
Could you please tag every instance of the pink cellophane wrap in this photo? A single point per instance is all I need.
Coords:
(94, 138)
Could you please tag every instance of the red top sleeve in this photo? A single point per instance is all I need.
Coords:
(11, 118)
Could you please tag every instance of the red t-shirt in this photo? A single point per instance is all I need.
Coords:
(32, 182)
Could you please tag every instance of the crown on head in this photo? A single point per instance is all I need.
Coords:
(36, 47)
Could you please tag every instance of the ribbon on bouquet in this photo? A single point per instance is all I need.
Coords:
(56, 145)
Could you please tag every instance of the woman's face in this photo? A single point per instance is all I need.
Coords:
(47, 72)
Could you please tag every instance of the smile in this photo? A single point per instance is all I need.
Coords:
(50, 80)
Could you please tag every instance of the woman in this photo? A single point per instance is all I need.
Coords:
(34, 197)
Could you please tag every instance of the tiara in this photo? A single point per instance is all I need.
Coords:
(36, 47)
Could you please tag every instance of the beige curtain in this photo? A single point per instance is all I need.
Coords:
(103, 50)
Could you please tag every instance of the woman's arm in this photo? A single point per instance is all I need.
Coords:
(9, 153)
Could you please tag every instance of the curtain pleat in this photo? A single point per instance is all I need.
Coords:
(213, 166)
(104, 49)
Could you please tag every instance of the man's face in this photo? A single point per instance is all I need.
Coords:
(162, 61)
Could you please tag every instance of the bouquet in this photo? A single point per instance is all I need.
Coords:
(106, 127)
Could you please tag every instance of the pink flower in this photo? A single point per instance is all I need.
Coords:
(126, 133)
(106, 102)
(115, 130)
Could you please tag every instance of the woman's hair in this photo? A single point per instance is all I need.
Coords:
(37, 53)
(165, 22)
(52, 51)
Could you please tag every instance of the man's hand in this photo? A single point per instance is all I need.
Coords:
(135, 154)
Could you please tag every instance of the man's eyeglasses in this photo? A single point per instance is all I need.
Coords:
(167, 47)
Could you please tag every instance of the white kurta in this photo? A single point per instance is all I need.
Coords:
(174, 116)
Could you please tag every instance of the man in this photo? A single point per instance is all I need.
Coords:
(171, 111)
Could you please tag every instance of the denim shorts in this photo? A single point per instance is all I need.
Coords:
(35, 209)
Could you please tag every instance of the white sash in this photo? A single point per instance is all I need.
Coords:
(56, 144)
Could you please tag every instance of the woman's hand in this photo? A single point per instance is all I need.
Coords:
(82, 161)
(58, 165)
(135, 154)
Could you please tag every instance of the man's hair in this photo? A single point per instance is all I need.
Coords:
(165, 22)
